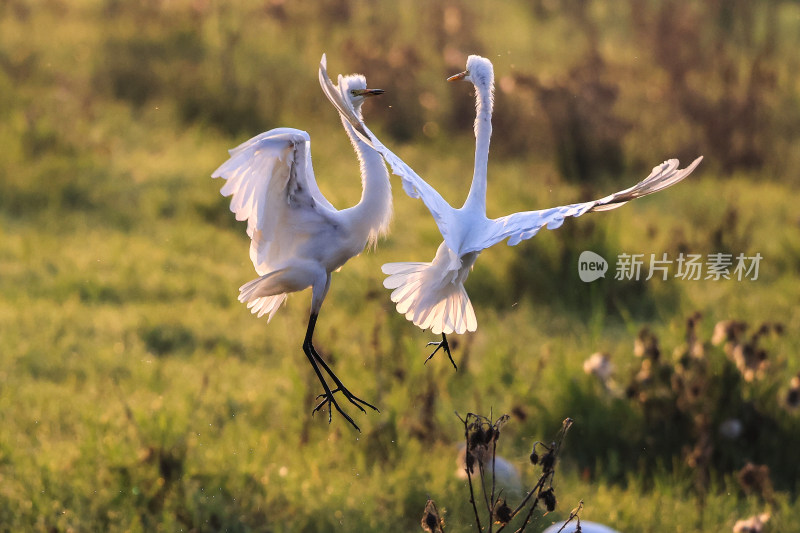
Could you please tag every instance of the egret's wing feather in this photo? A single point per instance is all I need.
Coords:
(339, 102)
(521, 226)
(413, 184)
(416, 187)
(271, 182)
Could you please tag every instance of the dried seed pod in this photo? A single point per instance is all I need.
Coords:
(534, 457)
(502, 514)
(431, 521)
(793, 398)
(470, 460)
(477, 437)
(490, 435)
(548, 461)
(548, 497)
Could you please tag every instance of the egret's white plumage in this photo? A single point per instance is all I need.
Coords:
(297, 237)
(586, 527)
(432, 295)
(506, 476)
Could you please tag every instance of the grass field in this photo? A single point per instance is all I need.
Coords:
(137, 393)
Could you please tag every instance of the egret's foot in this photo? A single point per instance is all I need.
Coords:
(352, 398)
(329, 400)
(441, 345)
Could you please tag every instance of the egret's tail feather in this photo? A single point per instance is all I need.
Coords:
(256, 294)
(429, 299)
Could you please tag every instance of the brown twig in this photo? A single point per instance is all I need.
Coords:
(469, 473)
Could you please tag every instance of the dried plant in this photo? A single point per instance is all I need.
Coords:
(750, 358)
(755, 479)
(792, 399)
(715, 404)
(432, 522)
(481, 435)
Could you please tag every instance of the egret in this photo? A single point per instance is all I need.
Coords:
(297, 237)
(586, 527)
(505, 474)
(432, 294)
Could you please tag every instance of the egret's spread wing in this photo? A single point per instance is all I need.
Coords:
(413, 184)
(271, 183)
(521, 226)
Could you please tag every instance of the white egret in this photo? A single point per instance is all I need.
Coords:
(297, 237)
(506, 476)
(432, 295)
(586, 527)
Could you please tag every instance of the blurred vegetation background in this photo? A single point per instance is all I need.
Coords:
(137, 394)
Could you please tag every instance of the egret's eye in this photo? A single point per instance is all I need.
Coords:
(353, 92)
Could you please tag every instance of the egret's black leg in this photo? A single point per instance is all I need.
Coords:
(313, 357)
(441, 345)
(327, 396)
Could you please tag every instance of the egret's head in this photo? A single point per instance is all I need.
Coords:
(354, 89)
(479, 72)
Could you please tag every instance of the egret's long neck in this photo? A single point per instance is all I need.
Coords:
(373, 212)
(483, 135)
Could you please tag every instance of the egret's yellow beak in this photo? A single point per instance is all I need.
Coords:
(459, 76)
(368, 92)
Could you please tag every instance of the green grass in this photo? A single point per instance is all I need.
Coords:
(137, 394)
